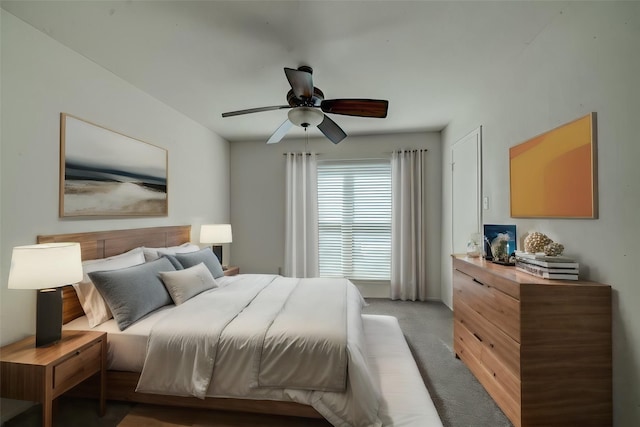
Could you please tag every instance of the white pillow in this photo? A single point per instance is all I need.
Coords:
(151, 254)
(92, 303)
(185, 284)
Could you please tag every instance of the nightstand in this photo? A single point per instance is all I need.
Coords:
(42, 374)
(232, 271)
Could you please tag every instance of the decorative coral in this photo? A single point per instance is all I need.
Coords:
(500, 247)
(536, 241)
(553, 249)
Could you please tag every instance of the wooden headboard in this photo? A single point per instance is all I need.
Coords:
(103, 244)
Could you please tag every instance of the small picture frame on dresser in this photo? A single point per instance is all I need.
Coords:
(491, 232)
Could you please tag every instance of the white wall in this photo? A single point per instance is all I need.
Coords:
(258, 196)
(587, 59)
(40, 79)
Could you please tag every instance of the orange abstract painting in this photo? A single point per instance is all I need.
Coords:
(553, 175)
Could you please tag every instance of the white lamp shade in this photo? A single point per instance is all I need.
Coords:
(305, 116)
(215, 233)
(47, 265)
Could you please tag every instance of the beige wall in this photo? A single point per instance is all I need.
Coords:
(40, 79)
(258, 196)
(586, 60)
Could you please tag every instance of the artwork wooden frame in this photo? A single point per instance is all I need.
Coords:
(554, 174)
(105, 173)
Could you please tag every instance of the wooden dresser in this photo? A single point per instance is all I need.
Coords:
(541, 348)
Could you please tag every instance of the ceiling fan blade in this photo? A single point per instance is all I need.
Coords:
(301, 82)
(280, 132)
(255, 110)
(356, 107)
(331, 130)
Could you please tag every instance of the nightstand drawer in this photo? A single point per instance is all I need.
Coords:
(81, 365)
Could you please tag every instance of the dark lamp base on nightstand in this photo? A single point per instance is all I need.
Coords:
(48, 317)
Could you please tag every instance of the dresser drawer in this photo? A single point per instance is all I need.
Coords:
(464, 340)
(81, 365)
(494, 305)
(509, 405)
(501, 374)
(466, 347)
(494, 385)
(503, 347)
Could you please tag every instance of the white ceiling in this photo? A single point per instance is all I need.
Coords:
(204, 58)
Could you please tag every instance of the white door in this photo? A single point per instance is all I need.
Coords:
(467, 189)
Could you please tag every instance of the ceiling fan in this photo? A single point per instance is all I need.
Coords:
(307, 107)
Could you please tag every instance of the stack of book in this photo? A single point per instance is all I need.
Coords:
(547, 267)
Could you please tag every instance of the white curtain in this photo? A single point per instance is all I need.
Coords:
(301, 219)
(408, 240)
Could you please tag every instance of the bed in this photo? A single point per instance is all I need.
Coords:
(271, 398)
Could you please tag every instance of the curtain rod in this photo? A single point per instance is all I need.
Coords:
(407, 149)
(340, 160)
(386, 152)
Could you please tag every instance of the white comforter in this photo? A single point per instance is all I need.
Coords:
(268, 337)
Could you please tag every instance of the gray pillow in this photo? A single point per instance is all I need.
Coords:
(133, 292)
(151, 254)
(174, 261)
(185, 284)
(206, 256)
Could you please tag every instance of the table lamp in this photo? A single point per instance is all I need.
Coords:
(46, 267)
(216, 234)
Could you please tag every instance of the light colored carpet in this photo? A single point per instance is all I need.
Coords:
(460, 399)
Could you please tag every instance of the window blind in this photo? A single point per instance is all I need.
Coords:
(354, 219)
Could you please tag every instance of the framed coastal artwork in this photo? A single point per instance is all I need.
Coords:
(553, 175)
(105, 173)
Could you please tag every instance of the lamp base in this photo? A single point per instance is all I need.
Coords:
(217, 250)
(48, 317)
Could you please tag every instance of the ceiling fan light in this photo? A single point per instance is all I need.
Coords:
(305, 116)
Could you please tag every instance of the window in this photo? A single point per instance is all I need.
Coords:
(354, 219)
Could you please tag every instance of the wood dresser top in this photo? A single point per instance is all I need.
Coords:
(510, 273)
